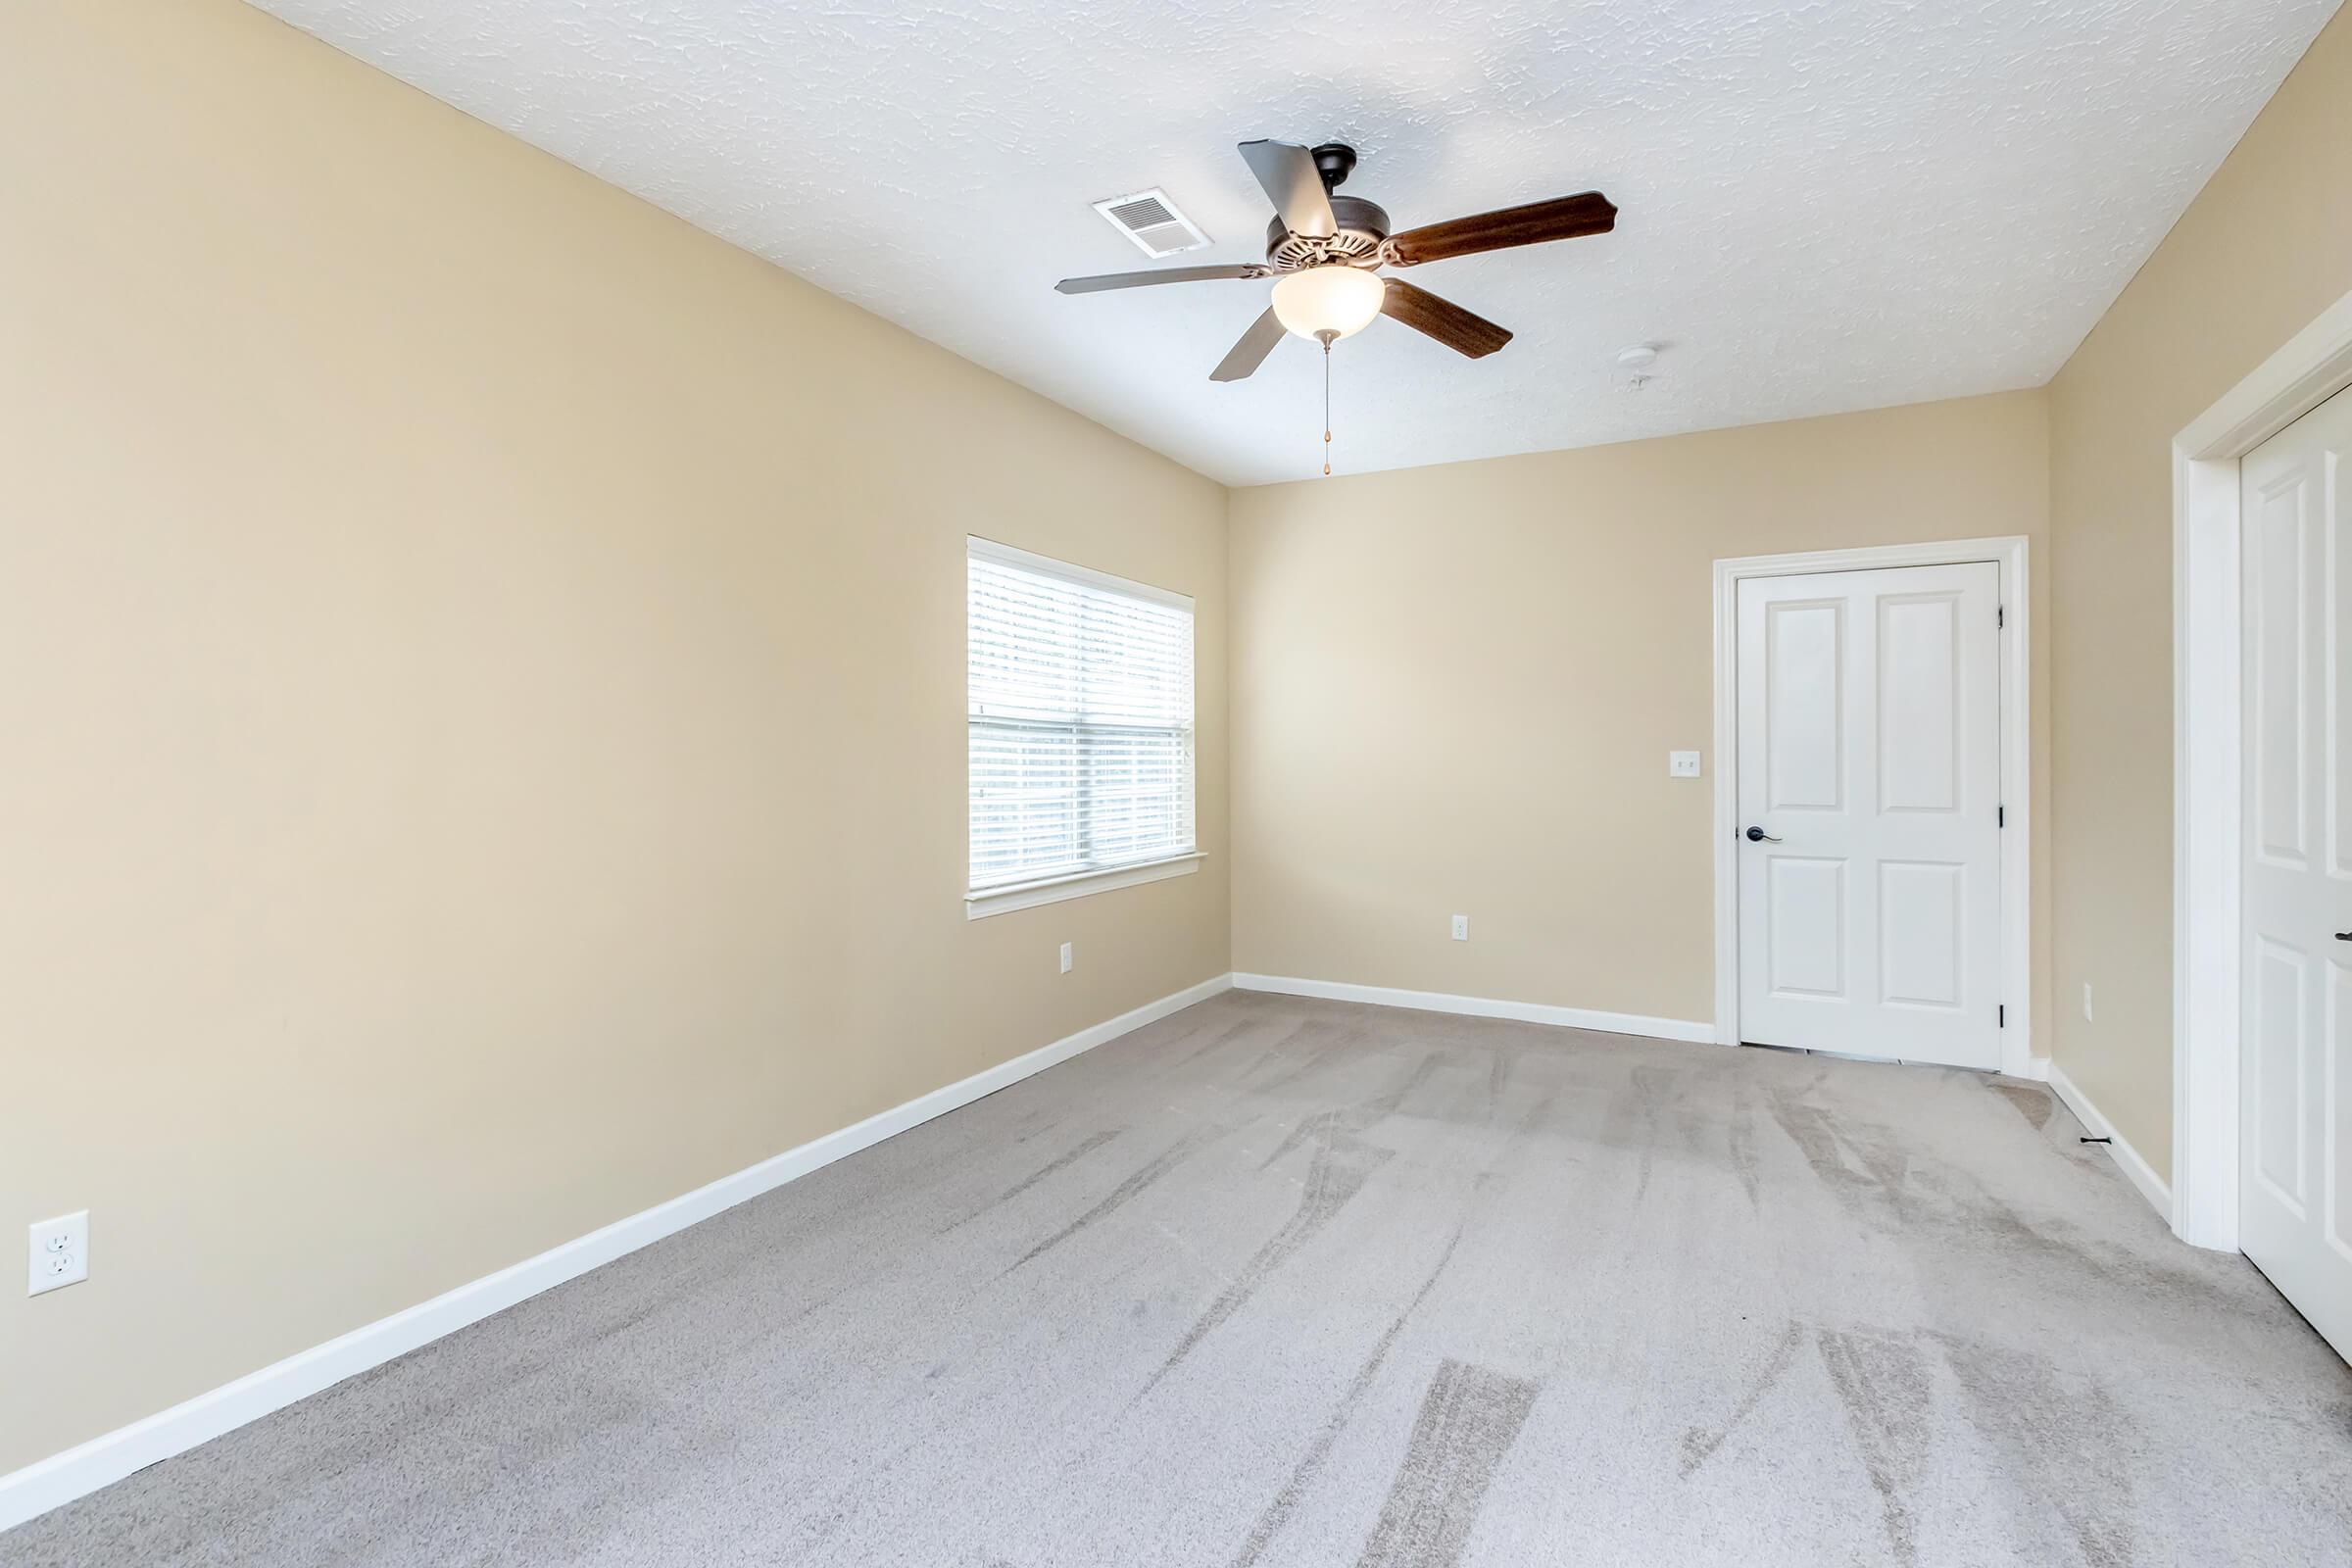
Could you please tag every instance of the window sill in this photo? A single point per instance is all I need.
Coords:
(1053, 890)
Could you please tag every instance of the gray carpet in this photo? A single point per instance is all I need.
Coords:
(1284, 1282)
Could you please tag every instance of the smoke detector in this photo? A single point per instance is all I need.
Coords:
(1640, 364)
(1151, 219)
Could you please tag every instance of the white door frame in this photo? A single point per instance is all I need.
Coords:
(2017, 765)
(2209, 758)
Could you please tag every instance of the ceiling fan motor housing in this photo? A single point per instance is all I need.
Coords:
(1362, 226)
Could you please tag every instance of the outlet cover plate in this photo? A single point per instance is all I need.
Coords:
(1682, 765)
(57, 1252)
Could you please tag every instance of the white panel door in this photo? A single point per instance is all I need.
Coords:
(2295, 1056)
(1870, 852)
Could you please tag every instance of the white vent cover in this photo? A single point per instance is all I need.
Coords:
(1152, 221)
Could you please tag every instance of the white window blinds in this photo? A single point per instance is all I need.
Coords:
(1081, 718)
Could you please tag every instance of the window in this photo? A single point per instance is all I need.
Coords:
(1080, 689)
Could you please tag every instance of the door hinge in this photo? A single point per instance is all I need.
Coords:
(2000, 816)
(2001, 1017)
(2000, 615)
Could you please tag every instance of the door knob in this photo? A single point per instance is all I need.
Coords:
(1757, 835)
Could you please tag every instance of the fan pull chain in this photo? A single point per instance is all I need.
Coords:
(1327, 408)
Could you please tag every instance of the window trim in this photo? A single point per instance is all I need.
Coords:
(978, 904)
(1077, 885)
(1049, 567)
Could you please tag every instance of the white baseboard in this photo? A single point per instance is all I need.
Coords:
(2152, 1186)
(79, 1471)
(1615, 1024)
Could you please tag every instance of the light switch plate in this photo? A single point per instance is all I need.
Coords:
(1682, 765)
(58, 1253)
(1066, 959)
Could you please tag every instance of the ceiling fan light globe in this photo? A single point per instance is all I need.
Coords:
(1335, 300)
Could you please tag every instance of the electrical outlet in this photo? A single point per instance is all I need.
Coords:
(1682, 765)
(1065, 958)
(2086, 1018)
(1461, 928)
(58, 1253)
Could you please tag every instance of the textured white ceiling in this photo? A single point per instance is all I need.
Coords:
(1826, 204)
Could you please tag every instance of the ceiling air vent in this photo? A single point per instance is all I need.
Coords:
(1152, 221)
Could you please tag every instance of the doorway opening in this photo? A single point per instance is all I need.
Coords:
(2209, 761)
(1904, 924)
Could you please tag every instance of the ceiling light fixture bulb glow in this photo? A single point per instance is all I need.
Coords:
(1334, 300)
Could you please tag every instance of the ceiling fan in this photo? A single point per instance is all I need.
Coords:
(1324, 251)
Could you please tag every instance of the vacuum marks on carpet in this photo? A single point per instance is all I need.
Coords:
(1469, 1418)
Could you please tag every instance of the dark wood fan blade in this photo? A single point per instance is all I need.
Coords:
(1443, 320)
(1252, 350)
(1294, 184)
(1564, 218)
(1166, 275)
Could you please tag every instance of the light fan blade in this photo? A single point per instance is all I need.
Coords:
(1458, 329)
(1166, 275)
(1294, 184)
(1564, 218)
(1252, 350)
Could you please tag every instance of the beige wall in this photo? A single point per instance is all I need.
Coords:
(2264, 248)
(1454, 689)
(482, 664)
